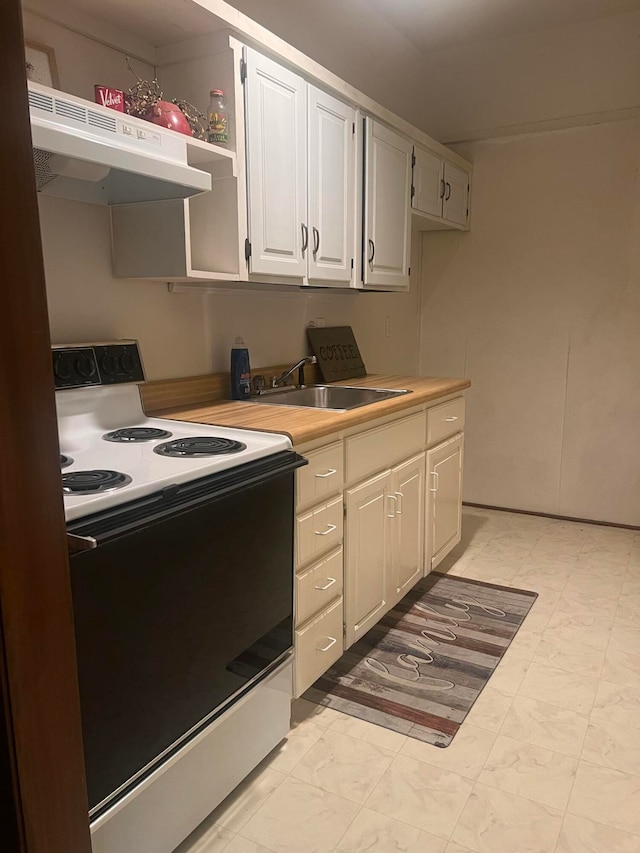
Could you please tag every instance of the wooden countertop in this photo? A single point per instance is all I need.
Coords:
(302, 424)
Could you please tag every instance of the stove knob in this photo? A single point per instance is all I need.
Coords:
(85, 366)
(109, 364)
(127, 362)
(62, 367)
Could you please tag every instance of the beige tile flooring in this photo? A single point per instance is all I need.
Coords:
(547, 761)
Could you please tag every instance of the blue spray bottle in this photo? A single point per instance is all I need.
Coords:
(240, 371)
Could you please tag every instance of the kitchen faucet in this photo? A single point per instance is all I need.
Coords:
(299, 366)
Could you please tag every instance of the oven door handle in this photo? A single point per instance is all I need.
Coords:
(126, 519)
(78, 544)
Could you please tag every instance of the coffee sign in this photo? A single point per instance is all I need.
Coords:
(337, 353)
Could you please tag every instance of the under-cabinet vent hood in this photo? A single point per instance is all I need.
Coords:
(90, 153)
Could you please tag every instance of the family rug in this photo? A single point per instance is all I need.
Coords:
(421, 668)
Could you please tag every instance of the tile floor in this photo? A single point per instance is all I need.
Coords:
(547, 761)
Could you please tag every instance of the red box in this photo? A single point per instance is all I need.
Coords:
(108, 97)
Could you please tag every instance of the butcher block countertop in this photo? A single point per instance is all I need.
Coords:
(300, 424)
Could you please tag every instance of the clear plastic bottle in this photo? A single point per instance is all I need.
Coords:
(217, 119)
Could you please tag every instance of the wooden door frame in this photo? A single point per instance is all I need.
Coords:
(43, 799)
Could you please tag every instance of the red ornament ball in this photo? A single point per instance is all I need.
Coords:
(166, 114)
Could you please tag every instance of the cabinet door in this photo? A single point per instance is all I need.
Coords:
(428, 182)
(367, 550)
(444, 501)
(454, 205)
(331, 188)
(276, 168)
(387, 209)
(407, 486)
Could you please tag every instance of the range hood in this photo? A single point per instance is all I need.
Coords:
(90, 153)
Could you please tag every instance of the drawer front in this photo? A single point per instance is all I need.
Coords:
(318, 646)
(318, 531)
(318, 586)
(445, 420)
(381, 448)
(322, 477)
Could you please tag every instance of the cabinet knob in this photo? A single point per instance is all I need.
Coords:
(451, 419)
(399, 495)
(372, 251)
(316, 240)
(328, 473)
(395, 504)
(305, 237)
(436, 477)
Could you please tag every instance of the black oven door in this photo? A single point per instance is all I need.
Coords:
(185, 602)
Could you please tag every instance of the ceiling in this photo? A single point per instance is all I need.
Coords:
(441, 24)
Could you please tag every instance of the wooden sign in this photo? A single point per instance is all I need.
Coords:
(337, 352)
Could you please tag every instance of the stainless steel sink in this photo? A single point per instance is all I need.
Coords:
(335, 397)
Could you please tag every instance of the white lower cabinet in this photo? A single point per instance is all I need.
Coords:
(318, 610)
(383, 544)
(408, 526)
(444, 502)
(318, 645)
(369, 510)
(377, 509)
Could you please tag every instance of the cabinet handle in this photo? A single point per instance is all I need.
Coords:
(316, 240)
(305, 237)
(326, 532)
(399, 495)
(395, 504)
(448, 195)
(436, 477)
(451, 419)
(372, 251)
(442, 187)
(327, 585)
(328, 473)
(332, 642)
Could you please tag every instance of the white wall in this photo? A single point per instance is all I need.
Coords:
(539, 305)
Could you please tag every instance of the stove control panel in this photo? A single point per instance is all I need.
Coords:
(97, 364)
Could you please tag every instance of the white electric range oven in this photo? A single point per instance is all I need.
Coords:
(181, 542)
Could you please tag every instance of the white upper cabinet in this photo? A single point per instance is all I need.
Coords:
(439, 192)
(387, 208)
(428, 182)
(276, 141)
(455, 203)
(331, 188)
(300, 177)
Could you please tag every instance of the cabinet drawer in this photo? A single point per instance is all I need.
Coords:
(318, 646)
(445, 420)
(384, 446)
(322, 477)
(318, 586)
(318, 531)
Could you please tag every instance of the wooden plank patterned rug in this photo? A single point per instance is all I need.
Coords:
(421, 668)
